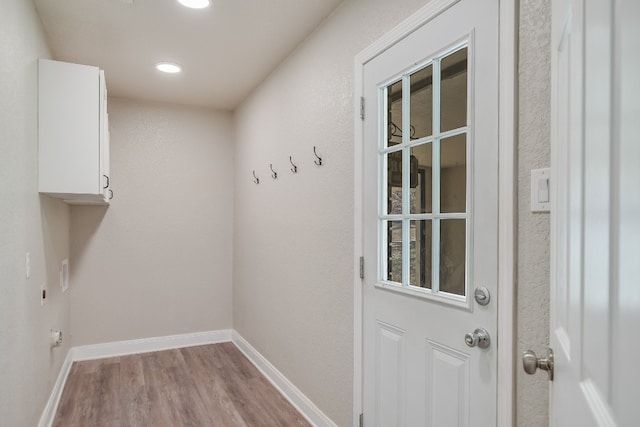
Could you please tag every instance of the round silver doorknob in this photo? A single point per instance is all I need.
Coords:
(531, 363)
(480, 337)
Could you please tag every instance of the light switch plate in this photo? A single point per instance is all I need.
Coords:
(540, 190)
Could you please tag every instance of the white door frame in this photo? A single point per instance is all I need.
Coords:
(506, 196)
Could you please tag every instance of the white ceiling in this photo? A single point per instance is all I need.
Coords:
(225, 50)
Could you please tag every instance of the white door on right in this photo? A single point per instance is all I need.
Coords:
(595, 217)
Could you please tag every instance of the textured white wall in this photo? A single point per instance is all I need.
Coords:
(293, 263)
(158, 261)
(28, 222)
(533, 228)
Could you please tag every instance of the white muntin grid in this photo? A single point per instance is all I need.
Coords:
(405, 147)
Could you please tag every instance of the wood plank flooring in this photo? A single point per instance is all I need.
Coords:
(210, 385)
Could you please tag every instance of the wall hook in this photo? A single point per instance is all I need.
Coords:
(274, 174)
(319, 159)
(294, 169)
(255, 178)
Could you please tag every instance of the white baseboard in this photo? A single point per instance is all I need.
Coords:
(146, 345)
(49, 413)
(121, 348)
(301, 402)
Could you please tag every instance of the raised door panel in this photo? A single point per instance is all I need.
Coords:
(390, 373)
(447, 385)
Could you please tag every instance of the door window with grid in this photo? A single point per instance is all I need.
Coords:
(424, 216)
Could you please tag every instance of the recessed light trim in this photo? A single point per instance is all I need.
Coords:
(168, 67)
(195, 4)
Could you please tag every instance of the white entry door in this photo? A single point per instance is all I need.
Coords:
(595, 246)
(430, 223)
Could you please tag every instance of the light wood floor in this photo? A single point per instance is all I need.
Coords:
(210, 385)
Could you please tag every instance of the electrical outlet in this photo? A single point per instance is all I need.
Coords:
(43, 293)
(56, 338)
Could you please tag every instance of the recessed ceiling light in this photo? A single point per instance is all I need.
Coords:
(195, 4)
(168, 67)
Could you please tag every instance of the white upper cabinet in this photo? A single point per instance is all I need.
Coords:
(73, 133)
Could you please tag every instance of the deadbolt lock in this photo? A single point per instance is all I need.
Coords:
(482, 295)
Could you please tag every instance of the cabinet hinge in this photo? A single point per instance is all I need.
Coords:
(362, 107)
(362, 267)
(361, 422)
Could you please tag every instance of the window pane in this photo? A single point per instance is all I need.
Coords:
(421, 189)
(420, 233)
(394, 251)
(453, 91)
(394, 114)
(421, 103)
(452, 255)
(453, 174)
(394, 183)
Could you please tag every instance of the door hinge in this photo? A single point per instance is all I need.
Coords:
(362, 267)
(362, 107)
(361, 422)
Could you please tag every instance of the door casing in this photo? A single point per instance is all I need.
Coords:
(506, 196)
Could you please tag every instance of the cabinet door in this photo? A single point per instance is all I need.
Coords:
(105, 177)
(69, 116)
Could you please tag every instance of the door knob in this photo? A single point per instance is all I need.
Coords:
(480, 337)
(531, 363)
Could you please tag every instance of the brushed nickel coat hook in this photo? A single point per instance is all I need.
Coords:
(294, 169)
(255, 178)
(274, 174)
